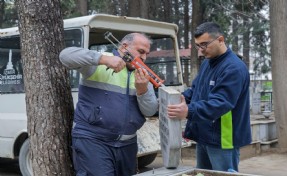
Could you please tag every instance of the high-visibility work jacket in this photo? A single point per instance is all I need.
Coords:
(108, 106)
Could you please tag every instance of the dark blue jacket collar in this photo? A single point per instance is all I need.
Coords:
(214, 61)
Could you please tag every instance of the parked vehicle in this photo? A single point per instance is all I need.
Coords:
(87, 32)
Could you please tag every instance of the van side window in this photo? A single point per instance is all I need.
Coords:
(162, 60)
(74, 37)
(11, 71)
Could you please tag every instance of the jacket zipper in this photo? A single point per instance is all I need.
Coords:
(128, 101)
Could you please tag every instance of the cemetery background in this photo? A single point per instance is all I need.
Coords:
(261, 156)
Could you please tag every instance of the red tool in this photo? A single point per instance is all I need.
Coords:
(136, 62)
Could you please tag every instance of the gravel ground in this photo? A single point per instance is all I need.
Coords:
(268, 163)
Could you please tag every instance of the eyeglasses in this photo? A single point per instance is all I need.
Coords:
(204, 45)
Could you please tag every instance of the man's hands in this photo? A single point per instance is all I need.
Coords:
(141, 81)
(117, 64)
(114, 62)
(178, 111)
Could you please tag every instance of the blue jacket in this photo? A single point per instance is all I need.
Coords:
(108, 105)
(218, 103)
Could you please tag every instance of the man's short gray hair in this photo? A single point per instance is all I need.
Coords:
(129, 38)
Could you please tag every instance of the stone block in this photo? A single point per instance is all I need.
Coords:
(170, 129)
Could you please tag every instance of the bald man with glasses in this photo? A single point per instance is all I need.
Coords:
(216, 106)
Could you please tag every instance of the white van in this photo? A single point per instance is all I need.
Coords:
(87, 32)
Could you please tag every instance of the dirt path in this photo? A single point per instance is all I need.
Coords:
(267, 164)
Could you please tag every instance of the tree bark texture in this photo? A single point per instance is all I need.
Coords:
(246, 43)
(197, 19)
(48, 95)
(235, 46)
(144, 9)
(154, 9)
(278, 28)
(167, 11)
(112, 7)
(123, 7)
(176, 19)
(186, 24)
(134, 8)
(138, 8)
(82, 7)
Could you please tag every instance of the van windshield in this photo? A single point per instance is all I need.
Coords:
(161, 58)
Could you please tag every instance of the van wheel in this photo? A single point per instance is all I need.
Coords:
(146, 160)
(25, 159)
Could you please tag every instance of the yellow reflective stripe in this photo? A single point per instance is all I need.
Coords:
(117, 79)
(226, 131)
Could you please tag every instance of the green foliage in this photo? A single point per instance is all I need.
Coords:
(260, 40)
(216, 12)
(250, 16)
(267, 85)
(98, 6)
(265, 97)
(68, 8)
(10, 14)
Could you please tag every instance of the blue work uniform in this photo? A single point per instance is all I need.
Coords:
(107, 116)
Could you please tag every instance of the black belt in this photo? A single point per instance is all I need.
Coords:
(125, 137)
(122, 137)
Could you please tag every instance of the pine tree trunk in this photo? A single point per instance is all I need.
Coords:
(134, 8)
(48, 94)
(235, 46)
(186, 25)
(278, 28)
(167, 7)
(144, 9)
(139, 8)
(246, 43)
(154, 9)
(197, 19)
(123, 6)
(82, 7)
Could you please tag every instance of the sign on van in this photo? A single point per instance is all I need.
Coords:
(11, 79)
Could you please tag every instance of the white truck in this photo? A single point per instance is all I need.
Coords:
(87, 32)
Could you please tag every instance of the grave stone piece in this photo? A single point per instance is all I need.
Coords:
(170, 129)
(256, 103)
